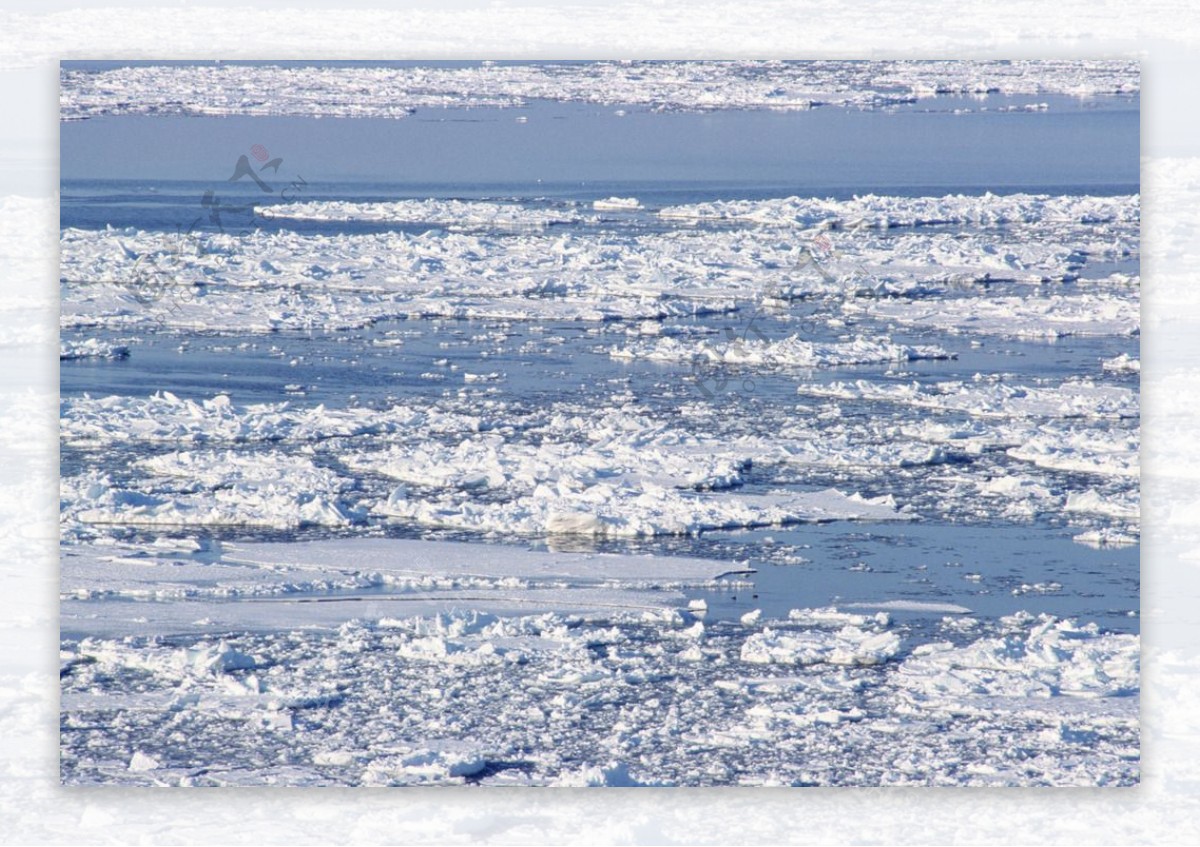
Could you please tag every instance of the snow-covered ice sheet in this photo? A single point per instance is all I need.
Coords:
(213, 489)
(190, 586)
(614, 470)
(1033, 658)
(415, 559)
(1084, 450)
(615, 473)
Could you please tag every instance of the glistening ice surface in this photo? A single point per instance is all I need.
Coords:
(618, 484)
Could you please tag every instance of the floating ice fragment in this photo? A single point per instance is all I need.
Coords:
(789, 352)
(91, 348)
(617, 204)
(848, 646)
(143, 762)
(1040, 657)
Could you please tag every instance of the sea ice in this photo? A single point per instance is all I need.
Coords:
(396, 92)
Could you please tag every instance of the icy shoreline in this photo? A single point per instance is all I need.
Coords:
(395, 92)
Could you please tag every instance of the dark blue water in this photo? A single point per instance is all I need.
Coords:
(1076, 145)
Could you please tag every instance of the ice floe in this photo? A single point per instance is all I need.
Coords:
(1123, 363)
(1087, 450)
(451, 214)
(167, 418)
(230, 490)
(888, 212)
(994, 398)
(633, 510)
(91, 348)
(1042, 657)
(419, 586)
(611, 471)
(793, 352)
(1023, 317)
(617, 473)
(848, 646)
(617, 204)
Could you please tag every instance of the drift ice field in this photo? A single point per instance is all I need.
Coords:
(600, 424)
